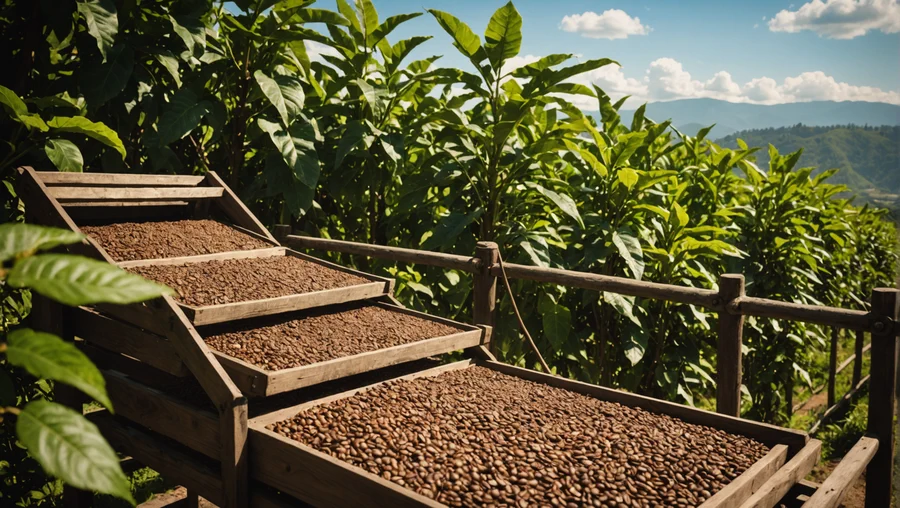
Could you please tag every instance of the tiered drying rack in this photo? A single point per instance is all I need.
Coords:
(217, 446)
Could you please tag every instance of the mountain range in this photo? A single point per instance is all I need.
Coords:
(691, 115)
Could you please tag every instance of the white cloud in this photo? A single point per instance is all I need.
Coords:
(612, 24)
(315, 50)
(840, 19)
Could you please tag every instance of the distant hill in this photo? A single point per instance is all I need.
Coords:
(689, 115)
(868, 157)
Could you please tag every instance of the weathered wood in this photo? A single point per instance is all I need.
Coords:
(120, 337)
(852, 359)
(832, 365)
(281, 231)
(859, 350)
(150, 316)
(831, 316)
(835, 487)
(217, 256)
(621, 285)
(398, 254)
(257, 382)
(137, 370)
(835, 411)
(484, 287)
(54, 178)
(42, 208)
(742, 487)
(775, 488)
(176, 419)
(235, 209)
(82, 194)
(106, 205)
(883, 370)
(730, 348)
(235, 455)
(101, 214)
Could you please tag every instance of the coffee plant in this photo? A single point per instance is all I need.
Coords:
(318, 117)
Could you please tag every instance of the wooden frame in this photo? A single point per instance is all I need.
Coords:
(257, 382)
(319, 479)
(211, 314)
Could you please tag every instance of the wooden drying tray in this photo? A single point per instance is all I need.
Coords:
(211, 314)
(322, 480)
(255, 381)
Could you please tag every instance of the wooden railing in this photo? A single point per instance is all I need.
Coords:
(730, 303)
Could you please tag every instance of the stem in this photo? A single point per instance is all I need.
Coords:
(11, 410)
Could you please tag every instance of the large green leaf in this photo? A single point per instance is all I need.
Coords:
(101, 81)
(25, 239)
(77, 280)
(102, 22)
(46, 356)
(182, 115)
(624, 305)
(71, 448)
(368, 18)
(96, 130)
(191, 30)
(353, 138)
(557, 322)
(64, 154)
(634, 343)
(12, 101)
(297, 148)
(563, 201)
(284, 92)
(535, 68)
(464, 38)
(503, 37)
(629, 248)
(389, 25)
(374, 97)
(449, 228)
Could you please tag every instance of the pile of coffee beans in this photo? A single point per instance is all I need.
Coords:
(476, 437)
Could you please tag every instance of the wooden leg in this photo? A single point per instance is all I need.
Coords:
(193, 500)
(729, 357)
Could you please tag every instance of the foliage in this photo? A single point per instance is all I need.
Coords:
(61, 440)
(351, 141)
(838, 438)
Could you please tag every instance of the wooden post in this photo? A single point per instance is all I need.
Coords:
(883, 369)
(484, 288)
(858, 359)
(281, 232)
(728, 359)
(832, 365)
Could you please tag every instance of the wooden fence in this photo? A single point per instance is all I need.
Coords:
(729, 302)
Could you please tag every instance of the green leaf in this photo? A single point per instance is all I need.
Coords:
(624, 305)
(680, 215)
(634, 344)
(191, 30)
(284, 92)
(354, 134)
(449, 228)
(464, 38)
(373, 96)
(33, 121)
(537, 250)
(318, 16)
(557, 323)
(171, 64)
(12, 101)
(102, 22)
(629, 248)
(183, 114)
(563, 201)
(628, 177)
(389, 25)
(77, 280)
(368, 17)
(81, 125)
(297, 149)
(46, 356)
(535, 68)
(25, 239)
(503, 37)
(101, 81)
(71, 448)
(64, 154)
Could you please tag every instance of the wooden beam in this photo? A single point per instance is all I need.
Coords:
(42, 207)
(778, 485)
(235, 455)
(105, 205)
(218, 256)
(730, 348)
(735, 493)
(832, 366)
(484, 288)
(835, 411)
(82, 194)
(835, 487)
(819, 314)
(235, 209)
(51, 178)
(398, 254)
(858, 355)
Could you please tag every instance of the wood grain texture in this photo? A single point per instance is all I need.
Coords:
(835, 487)
(41, 207)
(729, 356)
(832, 316)
(742, 487)
(235, 209)
(484, 285)
(217, 256)
(82, 194)
(52, 178)
(775, 488)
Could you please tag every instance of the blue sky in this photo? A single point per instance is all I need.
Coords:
(764, 51)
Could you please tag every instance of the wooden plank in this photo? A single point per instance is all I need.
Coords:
(837, 410)
(212, 314)
(235, 209)
(235, 455)
(484, 285)
(769, 435)
(819, 314)
(832, 366)
(778, 485)
(217, 256)
(101, 215)
(852, 359)
(150, 316)
(321, 480)
(254, 234)
(857, 356)
(193, 427)
(621, 285)
(730, 348)
(250, 379)
(835, 487)
(69, 205)
(883, 370)
(138, 371)
(42, 207)
(742, 487)
(133, 193)
(120, 337)
(398, 254)
(51, 178)
(178, 465)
